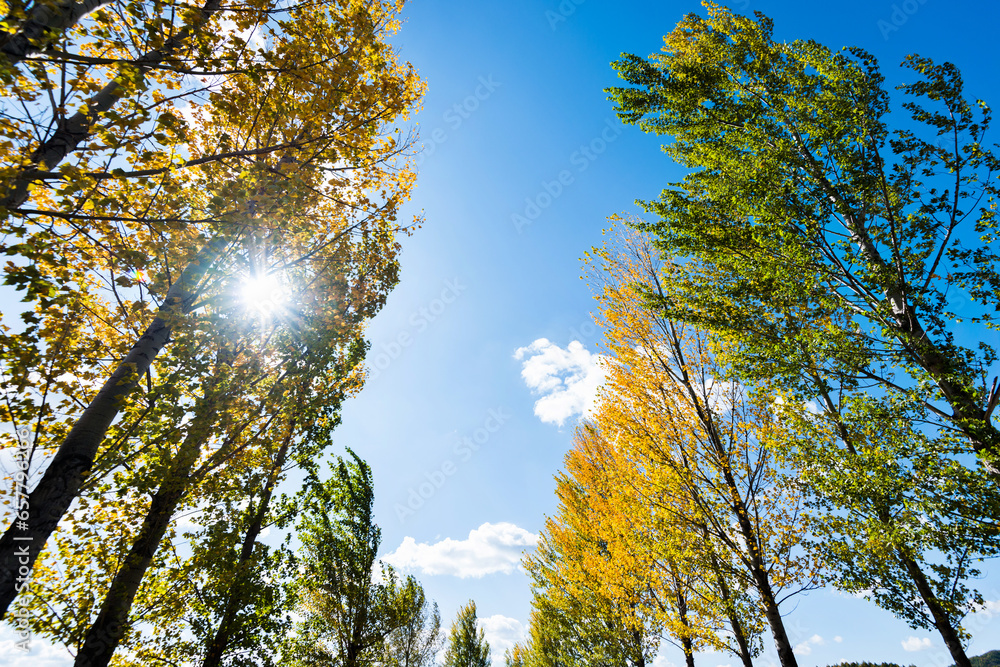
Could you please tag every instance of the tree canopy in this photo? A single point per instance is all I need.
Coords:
(812, 234)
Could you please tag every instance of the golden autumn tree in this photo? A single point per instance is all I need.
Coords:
(590, 572)
(313, 221)
(676, 463)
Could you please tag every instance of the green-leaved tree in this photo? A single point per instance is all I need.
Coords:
(467, 646)
(809, 229)
(352, 603)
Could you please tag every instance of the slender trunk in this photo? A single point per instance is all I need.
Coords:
(757, 566)
(762, 582)
(73, 131)
(781, 643)
(687, 644)
(941, 620)
(727, 598)
(59, 486)
(734, 622)
(955, 383)
(640, 658)
(44, 26)
(111, 623)
(236, 599)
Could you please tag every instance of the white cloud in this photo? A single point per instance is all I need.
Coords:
(40, 653)
(805, 648)
(916, 643)
(660, 661)
(567, 378)
(491, 548)
(989, 609)
(838, 639)
(502, 632)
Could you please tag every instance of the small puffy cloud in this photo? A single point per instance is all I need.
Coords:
(567, 378)
(838, 639)
(491, 548)
(806, 647)
(916, 643)
(502, 632)
(989, 609)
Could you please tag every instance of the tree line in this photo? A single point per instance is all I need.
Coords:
(200, 212)
(797, 359)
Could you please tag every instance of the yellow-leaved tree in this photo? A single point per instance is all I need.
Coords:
(675, 470)
(304, 208)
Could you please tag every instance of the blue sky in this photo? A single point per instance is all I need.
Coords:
(516, 123)
(515, 102)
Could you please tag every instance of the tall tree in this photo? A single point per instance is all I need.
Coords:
(467, 646)
(807, 228)
(348, 614)
(325, 207)
(589, 607)
(416, 641)
(681, 462)
(826, 250)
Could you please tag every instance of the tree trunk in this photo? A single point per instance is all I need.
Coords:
(781, 643)
(236, 599)
(969, 414)
(72, 131)
(758, 569)
(941, 620)
(111, 623)
(59, 486)
(44, 26)
(687, 644)
(762, 582)
(640, 659)
(734, 619)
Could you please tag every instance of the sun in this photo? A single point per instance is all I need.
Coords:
(264, 294)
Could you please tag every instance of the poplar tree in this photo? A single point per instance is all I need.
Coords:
(467, 647)
(322, 211)
(675, 482)
(809, 228)
(353, 605)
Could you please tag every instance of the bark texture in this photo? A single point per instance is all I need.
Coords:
(74, 130)
(60, 485)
